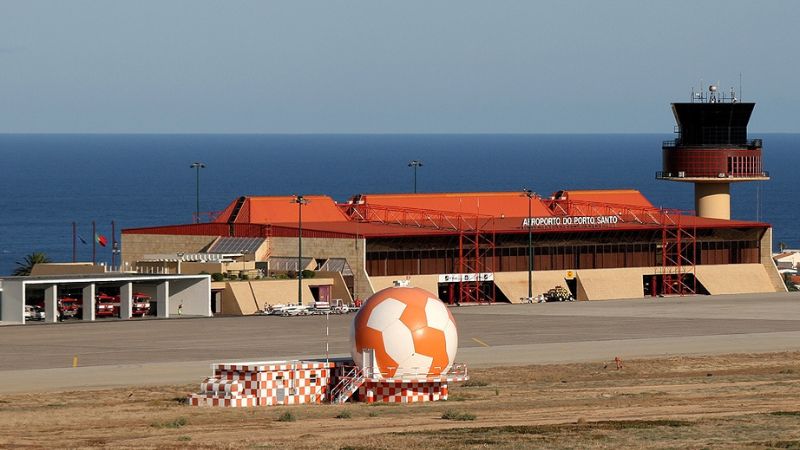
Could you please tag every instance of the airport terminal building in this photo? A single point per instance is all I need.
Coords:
(475, 247)
(506, 246)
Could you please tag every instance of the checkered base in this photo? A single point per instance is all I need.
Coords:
(401, 391)
(264, 384)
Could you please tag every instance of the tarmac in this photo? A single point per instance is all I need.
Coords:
(177, 351)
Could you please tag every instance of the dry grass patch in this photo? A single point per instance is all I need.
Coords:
(750, 402)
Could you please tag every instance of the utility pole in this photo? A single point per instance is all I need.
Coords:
(114, 245)
(415, 163)
(300, 200)
(74, 242)
(197, 166)
(530, 194)
(94, 243)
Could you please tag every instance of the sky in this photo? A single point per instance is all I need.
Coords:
(377, 66)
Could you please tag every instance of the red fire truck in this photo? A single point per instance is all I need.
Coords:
(108, 306)
(140, 306)
(68, 307)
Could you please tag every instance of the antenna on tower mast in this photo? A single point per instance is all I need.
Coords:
(741, 96)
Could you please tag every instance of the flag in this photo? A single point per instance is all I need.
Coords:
(82, 239)
(100, 239)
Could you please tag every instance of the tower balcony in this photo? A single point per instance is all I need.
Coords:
(713, 164)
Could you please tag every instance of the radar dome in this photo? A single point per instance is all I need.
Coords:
(410, 330)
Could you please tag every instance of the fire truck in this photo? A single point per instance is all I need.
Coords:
(68, 307)
(140, 305)
(108, 306)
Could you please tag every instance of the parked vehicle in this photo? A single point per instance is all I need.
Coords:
(69, 307)
(338, 306)
(320, 308)
(140, 305)
(274, 310)
(538, 299)
(559, 294)
(295, 310)
(33, 312)
(106, 305)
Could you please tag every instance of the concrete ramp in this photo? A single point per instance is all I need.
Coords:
(734, 278)
(607, 284)
(514, 285)
(238, 299)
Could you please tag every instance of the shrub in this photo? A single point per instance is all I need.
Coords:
(232, 276)
(177, 423)
(217, 276)
(287, 417)
(452, 414)
(308, 273)
(292, 274)
(244, 277)
(344, 415)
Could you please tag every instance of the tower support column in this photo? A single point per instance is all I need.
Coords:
(713, 200)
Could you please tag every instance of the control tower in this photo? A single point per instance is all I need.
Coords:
(712, 150)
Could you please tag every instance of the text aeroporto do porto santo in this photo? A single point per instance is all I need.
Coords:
(568, 221)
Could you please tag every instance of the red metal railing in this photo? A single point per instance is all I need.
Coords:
(476, 243)
(234, 230)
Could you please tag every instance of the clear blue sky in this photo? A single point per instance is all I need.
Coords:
(388, 66)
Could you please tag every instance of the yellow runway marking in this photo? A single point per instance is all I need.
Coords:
(480, 342)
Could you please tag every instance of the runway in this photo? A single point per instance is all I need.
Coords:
(148, 352)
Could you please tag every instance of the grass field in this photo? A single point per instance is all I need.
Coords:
(731, 401)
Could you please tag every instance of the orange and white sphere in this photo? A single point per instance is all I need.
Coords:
(411, 331)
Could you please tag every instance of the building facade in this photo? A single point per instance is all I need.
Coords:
(477, 247)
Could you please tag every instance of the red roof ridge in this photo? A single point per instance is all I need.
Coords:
(447, 194)
(601, 191)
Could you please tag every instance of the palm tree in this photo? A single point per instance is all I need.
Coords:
(24, 267)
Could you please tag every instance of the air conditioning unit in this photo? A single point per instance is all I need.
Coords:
(681, 174)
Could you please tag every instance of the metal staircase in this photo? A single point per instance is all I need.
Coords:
(347, 385)
(236, 208)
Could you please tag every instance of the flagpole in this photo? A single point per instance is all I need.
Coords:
(113, 245)
(94, 243)
(74, 242)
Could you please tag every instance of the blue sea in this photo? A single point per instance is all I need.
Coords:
(49, 181)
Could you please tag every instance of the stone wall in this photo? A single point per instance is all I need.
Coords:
(135, 246)
(322, 248)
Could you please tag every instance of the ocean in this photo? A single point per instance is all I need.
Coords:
(49, 181)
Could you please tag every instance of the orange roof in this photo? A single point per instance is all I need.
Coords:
(323, 215)
(611, 196)
(498, 204)
(322, 209)
(271, 210)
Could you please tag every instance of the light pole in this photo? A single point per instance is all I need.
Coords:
(415, 163)
(300, 200)
(197, 166)
(530, 194)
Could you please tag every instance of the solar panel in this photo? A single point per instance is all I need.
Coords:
(236, 245)
(287, 262)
